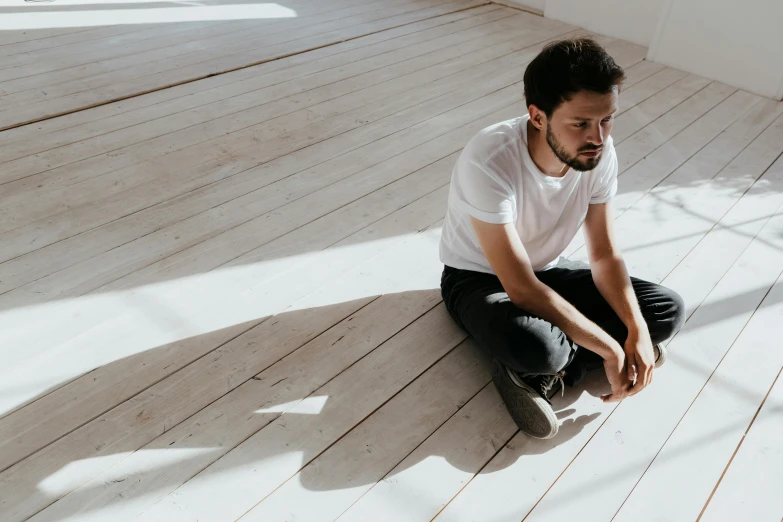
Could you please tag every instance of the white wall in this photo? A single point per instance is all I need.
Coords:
(737, 42)
(632, 20)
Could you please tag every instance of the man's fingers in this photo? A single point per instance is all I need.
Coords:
(648, 377)
(642, 382)
(617, 396)
(636, 389)
(631, 371)
(614, 397)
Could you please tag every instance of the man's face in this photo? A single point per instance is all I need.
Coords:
(578, 127)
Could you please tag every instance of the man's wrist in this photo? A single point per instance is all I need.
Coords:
(613, 351)
(637, 328)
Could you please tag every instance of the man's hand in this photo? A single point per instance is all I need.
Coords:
(640, 360)
(617, 374)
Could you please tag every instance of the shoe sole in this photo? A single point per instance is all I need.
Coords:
(532, 414)
(661, 357)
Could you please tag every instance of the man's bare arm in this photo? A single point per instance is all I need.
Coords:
(509, 260)
(611, 277)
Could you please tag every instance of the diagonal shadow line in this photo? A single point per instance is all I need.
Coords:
(702, 233)
(717, 224)
(738, 390)
(746, 302)
(650, 192)
(711, 178)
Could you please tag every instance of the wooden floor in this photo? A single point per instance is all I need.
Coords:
(219, 299)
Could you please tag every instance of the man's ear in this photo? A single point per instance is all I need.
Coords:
(537, 117)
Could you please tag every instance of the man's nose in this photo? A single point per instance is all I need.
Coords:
(596, 136)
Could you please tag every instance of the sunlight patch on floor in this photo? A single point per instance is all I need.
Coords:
(100, 18)
(61, 340)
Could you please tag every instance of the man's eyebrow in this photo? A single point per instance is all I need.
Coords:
(579, 118)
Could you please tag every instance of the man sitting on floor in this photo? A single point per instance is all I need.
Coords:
(519, 193)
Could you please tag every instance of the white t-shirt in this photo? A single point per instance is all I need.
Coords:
(496, 181)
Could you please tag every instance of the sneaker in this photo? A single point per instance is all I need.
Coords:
(660, 355)
(527, 399)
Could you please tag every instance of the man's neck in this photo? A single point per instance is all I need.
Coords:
(542, 154)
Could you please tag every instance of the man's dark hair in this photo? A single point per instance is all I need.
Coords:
(566, 67)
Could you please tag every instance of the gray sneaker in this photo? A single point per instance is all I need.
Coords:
(660, 355)
(527, 399)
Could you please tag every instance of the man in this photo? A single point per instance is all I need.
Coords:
(520, 191)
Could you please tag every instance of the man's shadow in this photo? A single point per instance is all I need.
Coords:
(127, 487)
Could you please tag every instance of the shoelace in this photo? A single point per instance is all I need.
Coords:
(544, 383)
(548, 383)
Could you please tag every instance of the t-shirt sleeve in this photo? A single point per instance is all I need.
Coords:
(605, 187)
(482, 191)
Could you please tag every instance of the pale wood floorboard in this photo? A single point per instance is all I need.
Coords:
(177, 93)
(239, 82)
(220, 300)
(105, 54)
(290, 98)
(24, 103)
(206, 160)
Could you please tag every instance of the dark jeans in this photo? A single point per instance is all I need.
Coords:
(531, 345)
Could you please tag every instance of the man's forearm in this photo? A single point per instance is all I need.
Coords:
(544, 302)
(612, 280)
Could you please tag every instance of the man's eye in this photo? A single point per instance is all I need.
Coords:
(580, 125)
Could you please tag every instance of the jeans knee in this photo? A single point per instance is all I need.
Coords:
(538, 352)
(669, 315)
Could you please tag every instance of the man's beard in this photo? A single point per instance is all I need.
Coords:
(574, 162)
